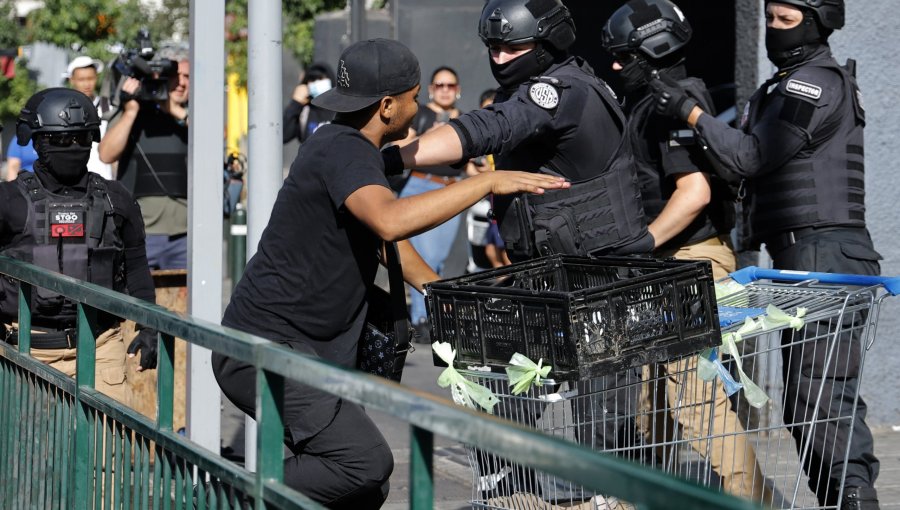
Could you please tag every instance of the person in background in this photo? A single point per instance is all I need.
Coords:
(19, 158)
(434, 245)
(691, 213)
(300, 117)
(799, 150)
(150, 142)
(82, 75)
(494, 248)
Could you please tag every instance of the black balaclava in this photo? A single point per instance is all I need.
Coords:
(788, 47)
(68, 165)
(522, 68)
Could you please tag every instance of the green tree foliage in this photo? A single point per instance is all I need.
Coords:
(13, 91)
(298, 20)
(96, 27)
(9, 28)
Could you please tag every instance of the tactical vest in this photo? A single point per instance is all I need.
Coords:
(718, 217)
(602, 215)
(77, 237)
(828, 187)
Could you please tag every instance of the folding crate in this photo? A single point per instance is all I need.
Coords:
(585, 317)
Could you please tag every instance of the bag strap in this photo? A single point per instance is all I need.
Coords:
(398, 299)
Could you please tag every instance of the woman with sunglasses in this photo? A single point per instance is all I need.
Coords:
(434, 246)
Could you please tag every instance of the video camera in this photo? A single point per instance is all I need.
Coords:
(153, 73)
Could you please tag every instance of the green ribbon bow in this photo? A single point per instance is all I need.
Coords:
(774, 318)
(464, 392)
(524, 373)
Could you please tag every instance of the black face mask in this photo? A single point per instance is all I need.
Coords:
(67, 164)
(787, 47)
(519, 70)
(634, 76)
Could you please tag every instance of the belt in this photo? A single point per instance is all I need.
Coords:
(440, 179)
(46, 339)
(786, 239)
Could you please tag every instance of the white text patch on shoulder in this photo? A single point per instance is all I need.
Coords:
(544, 95)
(801, 88)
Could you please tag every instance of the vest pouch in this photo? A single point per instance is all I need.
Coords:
(46, 303)
(103, 267)
(557, 232)
(516, 229)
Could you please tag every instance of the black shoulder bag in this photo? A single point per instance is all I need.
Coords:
(385, 341)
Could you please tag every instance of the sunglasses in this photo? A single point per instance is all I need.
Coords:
(82, 138)
(448, 86)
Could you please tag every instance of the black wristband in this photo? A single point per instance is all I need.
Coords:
(393, 161)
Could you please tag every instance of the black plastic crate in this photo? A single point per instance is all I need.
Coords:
(585, 317)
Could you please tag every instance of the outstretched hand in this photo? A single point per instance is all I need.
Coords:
(671, 98)
(509, 182)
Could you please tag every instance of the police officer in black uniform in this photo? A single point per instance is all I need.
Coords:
(551, 115)
(800, 150)
(63, 218)
(691, 213)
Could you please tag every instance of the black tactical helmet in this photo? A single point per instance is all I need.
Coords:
(655, 28)
(829, 13)
(524, 21)
(57, 110)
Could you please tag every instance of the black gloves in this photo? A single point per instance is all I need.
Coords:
(393, 161)
(671, 99)
(146, 341)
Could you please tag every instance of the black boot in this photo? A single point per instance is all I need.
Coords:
(859, 498)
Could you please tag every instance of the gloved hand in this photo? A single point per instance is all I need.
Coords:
(146, 341)
(671, 99)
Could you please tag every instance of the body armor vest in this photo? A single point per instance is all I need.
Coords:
(828, 187)
(602, 215)
(718, 217)
(77, 237)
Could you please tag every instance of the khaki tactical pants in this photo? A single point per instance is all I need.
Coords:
(729, 453)
(110, 363)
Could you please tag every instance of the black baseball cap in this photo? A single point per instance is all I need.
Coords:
(367, 72)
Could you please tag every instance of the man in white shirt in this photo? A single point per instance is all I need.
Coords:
(82, 74)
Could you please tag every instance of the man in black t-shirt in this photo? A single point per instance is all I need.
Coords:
(306, 286)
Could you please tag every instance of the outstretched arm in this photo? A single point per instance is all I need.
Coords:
(395, 219)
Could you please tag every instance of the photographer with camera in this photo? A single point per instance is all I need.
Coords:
(149, 139)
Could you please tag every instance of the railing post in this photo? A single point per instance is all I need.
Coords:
(270, 431)
(238, 243)
(165, 381)
(85, 364)
(421, 469)
(25, 317)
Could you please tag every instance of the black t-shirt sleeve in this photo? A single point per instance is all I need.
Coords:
(359, 164)
(131, 228)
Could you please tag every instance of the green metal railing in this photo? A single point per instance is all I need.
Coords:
(64, 445)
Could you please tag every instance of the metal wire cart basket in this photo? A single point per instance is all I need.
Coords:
(774, 437)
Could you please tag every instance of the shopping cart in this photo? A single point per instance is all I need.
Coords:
(665, 416)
